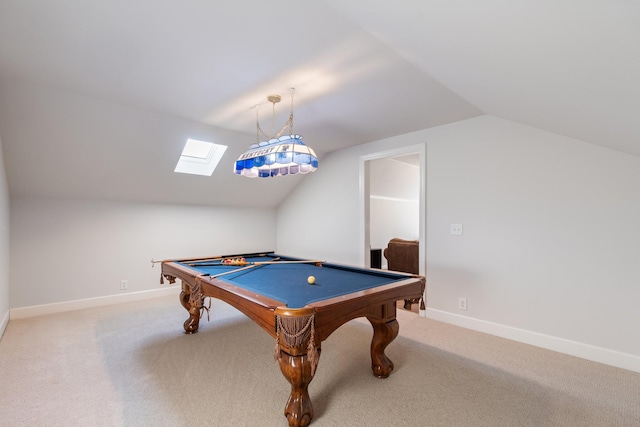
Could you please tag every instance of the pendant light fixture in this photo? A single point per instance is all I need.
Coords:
(276, 155)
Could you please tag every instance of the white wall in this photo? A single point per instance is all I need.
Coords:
(551, 235)
(4, 246)
(319, 218)
(551, 248)
(63, 250)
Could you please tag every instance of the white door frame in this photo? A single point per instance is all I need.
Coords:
(365, 243)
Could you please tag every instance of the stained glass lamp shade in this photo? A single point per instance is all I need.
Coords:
(286, 155)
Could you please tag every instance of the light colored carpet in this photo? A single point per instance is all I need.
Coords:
(132, 365)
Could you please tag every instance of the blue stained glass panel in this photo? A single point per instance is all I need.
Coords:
(286, 157)
(302, 159)
(270, 159)
(264, 173)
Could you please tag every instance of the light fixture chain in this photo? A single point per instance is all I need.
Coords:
(289, 124)
(293, 90)
(273, 116)
(258, 130)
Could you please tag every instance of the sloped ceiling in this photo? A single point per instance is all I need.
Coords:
(97, 97)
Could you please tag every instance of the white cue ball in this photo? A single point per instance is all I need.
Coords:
(311, 280)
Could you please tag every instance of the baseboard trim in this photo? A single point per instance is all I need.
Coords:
(58, 307)
(573, 348)
(4, 323)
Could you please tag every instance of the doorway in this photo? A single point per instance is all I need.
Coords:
(385, 194)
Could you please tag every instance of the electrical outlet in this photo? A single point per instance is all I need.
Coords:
(124, 285)
(456, 229)
(462, 303)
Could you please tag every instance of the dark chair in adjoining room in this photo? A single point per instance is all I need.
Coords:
(403, 255)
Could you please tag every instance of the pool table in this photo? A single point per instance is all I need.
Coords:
(274, 291)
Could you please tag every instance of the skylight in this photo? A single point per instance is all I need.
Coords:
(199, 157)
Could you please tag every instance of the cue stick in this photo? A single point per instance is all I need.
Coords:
(213, 258)
(317, 261)
(233, 271)
(194, 260)
(253, 264)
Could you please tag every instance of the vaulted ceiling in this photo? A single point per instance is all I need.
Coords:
(84, 82)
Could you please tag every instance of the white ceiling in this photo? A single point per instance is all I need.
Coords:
(363, 70)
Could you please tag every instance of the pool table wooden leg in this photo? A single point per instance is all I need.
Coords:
(384, 331)
(193, 322)
(297, 370)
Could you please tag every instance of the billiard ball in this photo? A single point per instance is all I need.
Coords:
(311, 280)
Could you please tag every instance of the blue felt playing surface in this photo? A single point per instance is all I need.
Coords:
(287, 282)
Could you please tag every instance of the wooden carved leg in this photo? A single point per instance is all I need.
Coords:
(193, 307)
(297, 370)
(297, 353)
(383, 333)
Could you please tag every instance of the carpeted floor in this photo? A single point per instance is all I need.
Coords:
(132, 365)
